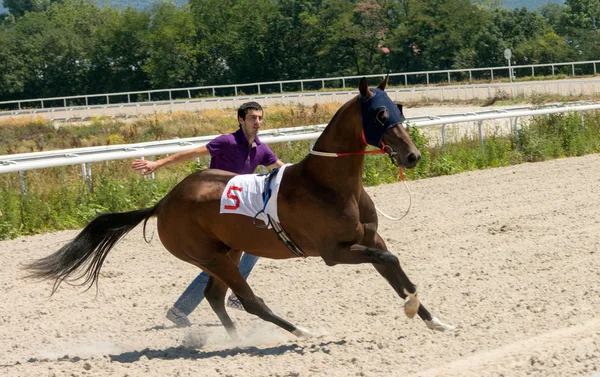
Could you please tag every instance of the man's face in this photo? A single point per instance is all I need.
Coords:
(252, 123)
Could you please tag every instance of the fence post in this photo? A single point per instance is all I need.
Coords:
(479, 125)
(89, 176)
(83, 172)
(443, 138)
(517, 133)
(22, 181)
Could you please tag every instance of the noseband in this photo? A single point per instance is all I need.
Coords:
(391, 152)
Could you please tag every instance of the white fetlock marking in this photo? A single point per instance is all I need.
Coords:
(411, 304)
(436, 324)
(302, 332)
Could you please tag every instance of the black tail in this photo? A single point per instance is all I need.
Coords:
(83, 256)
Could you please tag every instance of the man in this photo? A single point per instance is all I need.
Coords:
(239, 152)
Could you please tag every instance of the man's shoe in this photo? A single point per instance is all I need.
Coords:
(178, 317)
(234, 302)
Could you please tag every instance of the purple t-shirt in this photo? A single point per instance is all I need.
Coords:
(231, 152)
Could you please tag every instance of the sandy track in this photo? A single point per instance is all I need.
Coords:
(509, 255)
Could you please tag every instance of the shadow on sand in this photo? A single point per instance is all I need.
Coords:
(189, 353)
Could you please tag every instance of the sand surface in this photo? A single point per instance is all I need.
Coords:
(511, 256)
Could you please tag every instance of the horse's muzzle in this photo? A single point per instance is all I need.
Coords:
(412, 158)
(408, 161)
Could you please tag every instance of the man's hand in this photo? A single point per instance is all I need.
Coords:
(146, 166)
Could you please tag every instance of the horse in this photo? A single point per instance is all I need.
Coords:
(324, 211)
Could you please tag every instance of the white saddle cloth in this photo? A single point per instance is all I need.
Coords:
(243, 195)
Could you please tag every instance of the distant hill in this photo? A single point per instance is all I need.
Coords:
(530, 4)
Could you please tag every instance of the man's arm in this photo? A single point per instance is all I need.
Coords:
(148, 167)
(277, 164)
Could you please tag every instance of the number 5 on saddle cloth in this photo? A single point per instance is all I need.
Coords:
(256, 196)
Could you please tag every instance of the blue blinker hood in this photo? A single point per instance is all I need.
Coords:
(379, 114)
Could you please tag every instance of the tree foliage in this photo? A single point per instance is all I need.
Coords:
(68, 47)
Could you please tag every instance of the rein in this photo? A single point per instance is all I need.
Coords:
(377, 151)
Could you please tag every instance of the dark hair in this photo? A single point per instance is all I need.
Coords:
(243, 110)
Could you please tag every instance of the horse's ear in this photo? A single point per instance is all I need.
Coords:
(363, 88)
(383, 82)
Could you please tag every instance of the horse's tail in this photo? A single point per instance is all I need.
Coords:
(83, 256)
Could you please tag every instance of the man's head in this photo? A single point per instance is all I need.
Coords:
(250, 118)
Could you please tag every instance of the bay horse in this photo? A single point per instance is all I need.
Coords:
(323, 208)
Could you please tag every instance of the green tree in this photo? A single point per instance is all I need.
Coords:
(355, 33)
(293, 40)
(433, 34)
(19, 7)
(13, 70)
(121, 51)
(547, 48)
(172, 48)
(581, 23)
(54, 47)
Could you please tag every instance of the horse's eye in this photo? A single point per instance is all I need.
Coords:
(382, 116)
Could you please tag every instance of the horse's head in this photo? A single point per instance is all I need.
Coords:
(382, 125)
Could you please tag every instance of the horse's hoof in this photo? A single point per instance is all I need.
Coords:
(437, 325)
(411, 305)
(302, 333)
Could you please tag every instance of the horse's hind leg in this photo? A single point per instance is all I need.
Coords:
(226, 270)
(215, 295)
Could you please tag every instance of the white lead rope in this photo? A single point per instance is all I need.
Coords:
(406, 213)
(329, 154)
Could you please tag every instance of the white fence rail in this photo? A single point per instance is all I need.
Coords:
(41, 160)
(441, 93)
(421, 77)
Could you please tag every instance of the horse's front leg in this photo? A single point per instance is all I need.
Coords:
(388, 266)
(432, 322)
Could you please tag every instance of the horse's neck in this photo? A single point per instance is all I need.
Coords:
(342, 135)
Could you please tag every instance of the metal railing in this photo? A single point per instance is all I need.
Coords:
(424, 77)
(440, 93)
